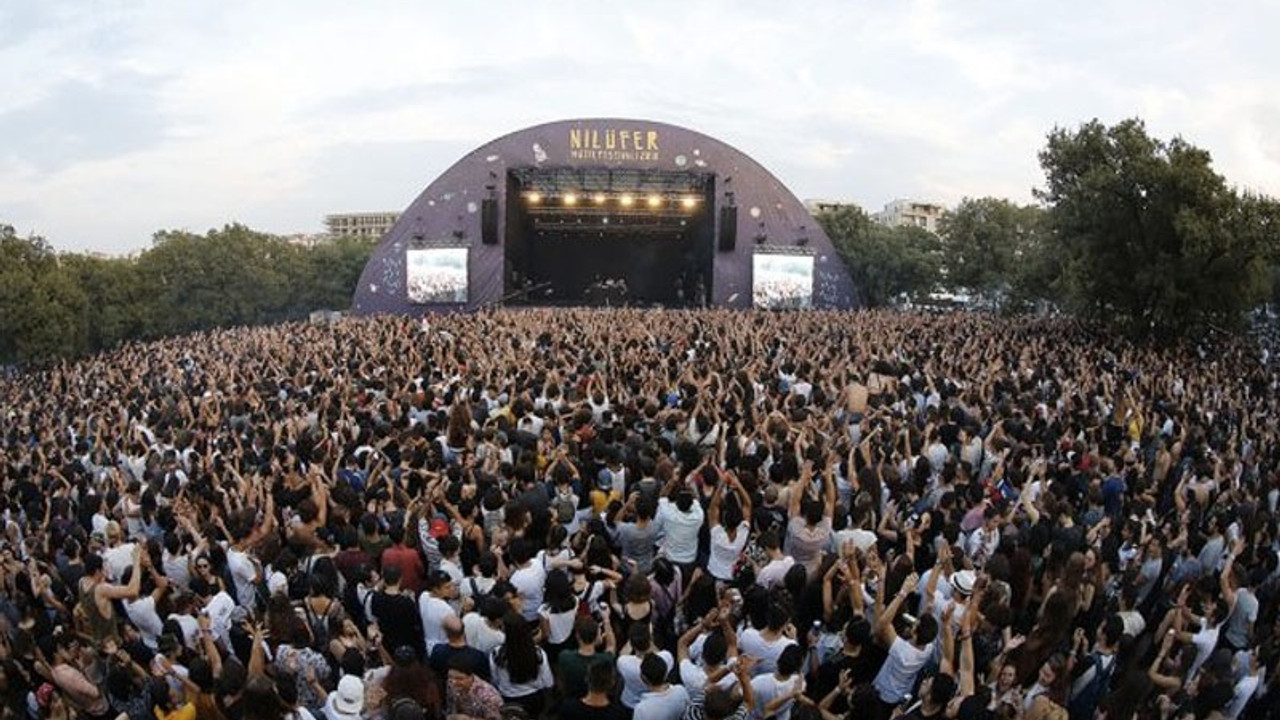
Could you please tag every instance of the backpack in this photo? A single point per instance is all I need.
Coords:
(319, 624)
(563, 509)
(1082, 705)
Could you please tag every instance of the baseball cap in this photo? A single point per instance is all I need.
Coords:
(439, 528)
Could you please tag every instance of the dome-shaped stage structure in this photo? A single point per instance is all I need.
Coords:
(604, 211)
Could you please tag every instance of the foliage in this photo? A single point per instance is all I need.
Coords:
(884, 263)
(1151, 237)
(56, 305)
(998, 249)
(41, 306)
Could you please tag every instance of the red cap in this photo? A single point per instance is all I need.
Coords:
(439, 528)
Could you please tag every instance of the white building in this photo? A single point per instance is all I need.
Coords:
(918, 213)
(821, 206)
(365, 224)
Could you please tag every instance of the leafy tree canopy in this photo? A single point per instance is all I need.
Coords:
(56, 305)
(885, 263)
(1151, 237)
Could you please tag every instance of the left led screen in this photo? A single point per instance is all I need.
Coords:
(437, 275)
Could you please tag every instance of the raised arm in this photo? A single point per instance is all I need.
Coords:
(713, 510)
(829, 488)
(883, 628)
(125, 592)
(743, 495)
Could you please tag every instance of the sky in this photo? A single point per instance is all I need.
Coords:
(121, 118)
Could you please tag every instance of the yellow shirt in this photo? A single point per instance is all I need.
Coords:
(186, 712)
(600, 500)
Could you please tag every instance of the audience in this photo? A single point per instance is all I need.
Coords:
(656, 515)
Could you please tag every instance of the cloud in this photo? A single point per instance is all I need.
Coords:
(122, 118)
(77, 121)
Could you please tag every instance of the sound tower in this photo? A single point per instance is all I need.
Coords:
(489, 221)
(728, 228)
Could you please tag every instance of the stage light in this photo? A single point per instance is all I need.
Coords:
(534, 198)
(654, 201)
(570, 199)
(626, 201)
(688, 202)
(598, 198)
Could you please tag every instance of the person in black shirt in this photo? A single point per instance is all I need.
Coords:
(475, 662)
(860, 656)
(396, 613)
(598, 704)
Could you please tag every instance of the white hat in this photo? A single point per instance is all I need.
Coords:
(962, 582)
(348, 701)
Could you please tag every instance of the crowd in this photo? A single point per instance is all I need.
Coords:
(643, 515)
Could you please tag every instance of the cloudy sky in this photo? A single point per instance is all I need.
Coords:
(120, 118)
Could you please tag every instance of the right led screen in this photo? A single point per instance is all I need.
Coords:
(781, 281)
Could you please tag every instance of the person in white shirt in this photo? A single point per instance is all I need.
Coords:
(245, 574)
(662, 701)
(730, 537)
(771, 574)
(435, 609)
(142, 610)
(119, 554)
(776, 693)
(520, 669)
(985, 540)
(712, 660)
(483, 628)
(1249, 672)
(1206, 638)
(767, 645)
(906, 657)
(528, 576)
(679, 524)
(630, 665)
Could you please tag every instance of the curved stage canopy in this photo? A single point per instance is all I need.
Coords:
(604, 211)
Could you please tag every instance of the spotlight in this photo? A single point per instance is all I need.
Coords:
(688, 202)
(626, 201)
(570, 199)
(534, 197)
(598, 198)
(654, 201)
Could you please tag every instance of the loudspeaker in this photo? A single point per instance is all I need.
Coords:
(489, 221)
(728, 228)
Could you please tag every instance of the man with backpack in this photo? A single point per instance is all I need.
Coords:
(1096, 669)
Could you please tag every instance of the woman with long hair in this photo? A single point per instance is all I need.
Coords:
(666, 587)
(520, 669)
(411, 679)
(1053, 681)
(1049, 636)
(558, 611)
(636, 605)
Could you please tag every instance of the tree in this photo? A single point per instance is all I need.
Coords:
(1152, 238)
(996, 248)
(884, 263)
(42, 309)
(57, 305)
